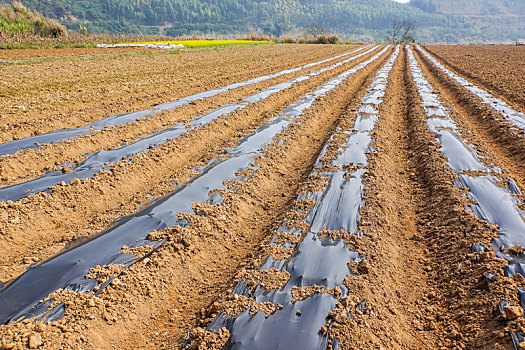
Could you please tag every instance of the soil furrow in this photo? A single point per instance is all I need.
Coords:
(119, 181)
(31, 163)
(104, 249)
(511, 115)
(373, 200)
(120, 119)
(113, 120)
(462, 308)
(477, 63)
(483, 127)
(395, 277)
(309, 264)
(55, 224)
(281, 164)
(244, 207)
(145, 80)
(495, 199)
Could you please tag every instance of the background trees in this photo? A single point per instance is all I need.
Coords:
(402, 32)
(351, 18)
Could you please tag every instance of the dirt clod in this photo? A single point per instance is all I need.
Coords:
(512, 312)
(35, 340)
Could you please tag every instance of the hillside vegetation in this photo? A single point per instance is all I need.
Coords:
(489, 20)
(438, 20)
(15, 18)
(471, 8)
(206, 16)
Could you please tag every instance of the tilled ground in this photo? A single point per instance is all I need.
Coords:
(20, 55)
(499, 68)
(41, 97)
(395, 235)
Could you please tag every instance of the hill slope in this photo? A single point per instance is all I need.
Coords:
(489, 20)
(473, 8)
(14, 18)
(438, 20)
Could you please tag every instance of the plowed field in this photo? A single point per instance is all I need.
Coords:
(499, 68)
(279, 196)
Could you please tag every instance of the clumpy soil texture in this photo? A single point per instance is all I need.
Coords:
(77, 90)
(498, 68)
(327, 201)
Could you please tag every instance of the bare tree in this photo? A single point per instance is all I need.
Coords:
(405, 29)
(408, 32)
(397, 26)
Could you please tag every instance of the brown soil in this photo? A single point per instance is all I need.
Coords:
(486, 129)
(33, 162)
(37, 98)
(9, 56)
(39, 225)
(498, 68)
(491, 138)
(423, 287)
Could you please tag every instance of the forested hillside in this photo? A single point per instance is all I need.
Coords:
(472, 7)
(359, 19)
(488, 20)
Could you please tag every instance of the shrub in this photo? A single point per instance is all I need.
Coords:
(258, 37)
(288, 40)
(334, 39)
(327, 39)
(304, 40)
(322, 39)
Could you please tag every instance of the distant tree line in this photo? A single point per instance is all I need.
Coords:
(368, 19)
(270, 16)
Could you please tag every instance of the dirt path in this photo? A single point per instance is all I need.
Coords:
(333, 206)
